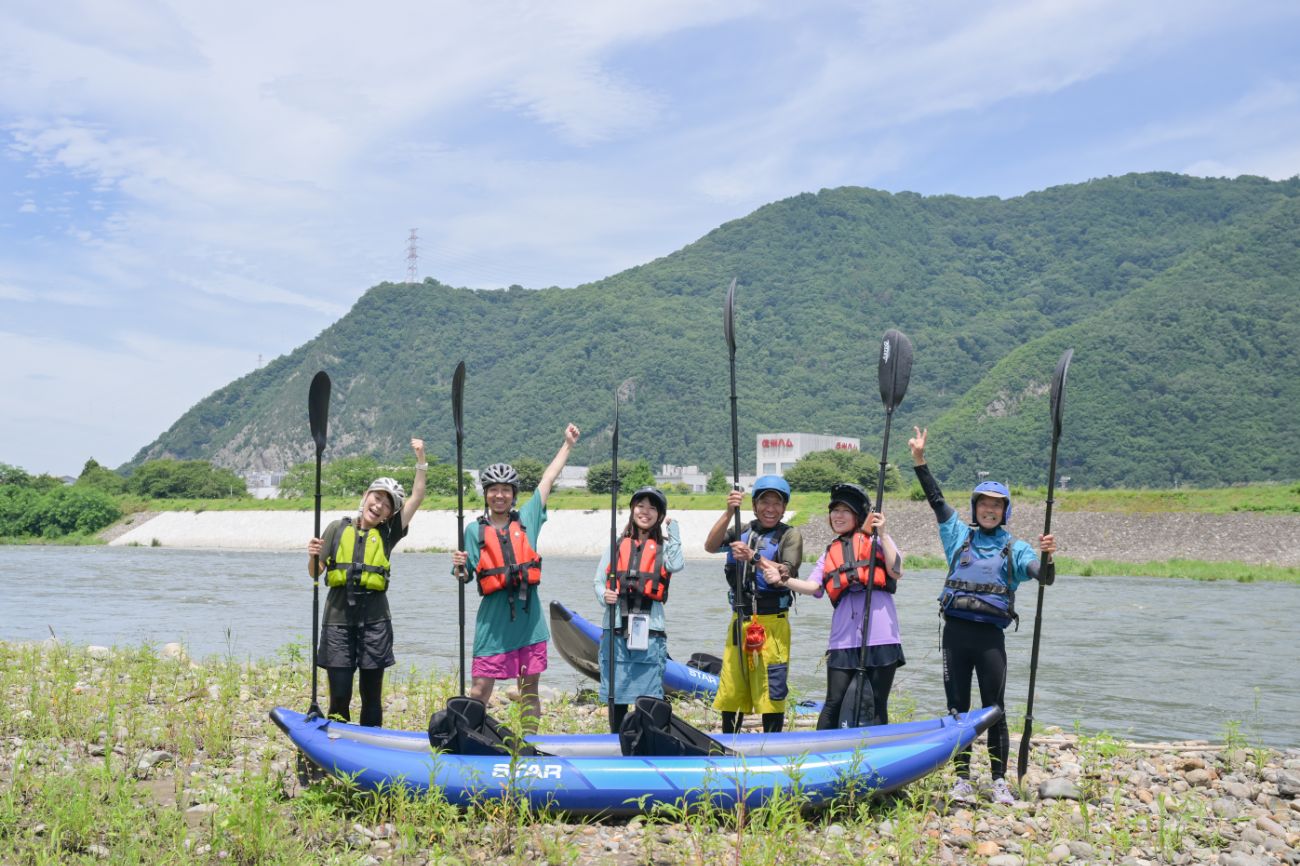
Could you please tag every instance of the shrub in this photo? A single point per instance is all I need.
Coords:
(75, 509)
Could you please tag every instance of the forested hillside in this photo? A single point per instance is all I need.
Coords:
(1178, 294)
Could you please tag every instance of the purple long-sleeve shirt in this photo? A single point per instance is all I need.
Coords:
(846, 621)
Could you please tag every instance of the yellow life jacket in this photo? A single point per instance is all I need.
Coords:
(367, 566)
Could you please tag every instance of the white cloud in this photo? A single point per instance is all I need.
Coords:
(14, 293)
(66, 401)
(241, 168)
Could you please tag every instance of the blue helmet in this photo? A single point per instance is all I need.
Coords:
(771, 482)
(995, 489)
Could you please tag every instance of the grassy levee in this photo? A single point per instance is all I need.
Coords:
(1190, 569)
(127, 756)
(1257, 498)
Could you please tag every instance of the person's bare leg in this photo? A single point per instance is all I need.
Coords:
(532, 702)
(480, 688)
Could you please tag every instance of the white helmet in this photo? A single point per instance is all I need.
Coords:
(391, 487)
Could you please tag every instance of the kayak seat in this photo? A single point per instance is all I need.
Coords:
(652, 731)
(465, 728)
(706, 662)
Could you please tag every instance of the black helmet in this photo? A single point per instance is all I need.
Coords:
(499, 473)
(655, 495)
(855, 497)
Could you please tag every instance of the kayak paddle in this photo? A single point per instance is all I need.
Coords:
(738, 602)
(458, 416)
(895, 370)
(1058, 406)
(613, 560)
(318, 410)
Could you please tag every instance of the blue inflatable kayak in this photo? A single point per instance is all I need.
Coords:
(578, 640)
(588, 774)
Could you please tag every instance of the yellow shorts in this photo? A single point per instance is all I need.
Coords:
(761, 688)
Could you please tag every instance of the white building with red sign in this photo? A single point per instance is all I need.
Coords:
(777, 452)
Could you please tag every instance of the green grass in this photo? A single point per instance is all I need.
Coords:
(1189, 569)
(1260, 498)
(74, 540)
(559, 499)
(1257, 498)
(73, 727)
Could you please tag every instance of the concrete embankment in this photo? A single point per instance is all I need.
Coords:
(1251, 538)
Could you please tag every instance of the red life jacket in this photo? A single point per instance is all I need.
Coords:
(639, 577)
(506, 561)
(847, 564)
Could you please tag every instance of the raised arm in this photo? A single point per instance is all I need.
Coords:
(718, 533)
(933, 495)
(413, 501)
(571, 434)
(673, 559)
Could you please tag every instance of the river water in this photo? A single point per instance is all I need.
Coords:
(1141, 658)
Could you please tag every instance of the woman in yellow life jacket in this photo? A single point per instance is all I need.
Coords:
(357, 631)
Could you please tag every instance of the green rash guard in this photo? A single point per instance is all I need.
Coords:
(494, 631)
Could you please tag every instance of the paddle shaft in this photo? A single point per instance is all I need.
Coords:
(460, 518)
(738, 572)
(1022, 760)
(315, 599)
(871, 581)
(611, 610)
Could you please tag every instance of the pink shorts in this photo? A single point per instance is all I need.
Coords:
(526, 660)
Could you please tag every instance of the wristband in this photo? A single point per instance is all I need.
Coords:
(421, 467)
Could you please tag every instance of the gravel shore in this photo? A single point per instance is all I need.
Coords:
(128, 756)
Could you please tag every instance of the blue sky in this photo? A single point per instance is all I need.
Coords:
(188, 187)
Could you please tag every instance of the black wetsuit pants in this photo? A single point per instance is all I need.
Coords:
(837, 683)
(977, 648)
(372, 689)
(772, 722)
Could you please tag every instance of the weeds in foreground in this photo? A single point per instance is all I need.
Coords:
(73, 728)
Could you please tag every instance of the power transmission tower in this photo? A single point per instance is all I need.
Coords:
(412, 257)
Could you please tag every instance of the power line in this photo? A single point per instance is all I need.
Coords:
(412, 257)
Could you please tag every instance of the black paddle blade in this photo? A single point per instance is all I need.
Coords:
(1058, 392)
(458, 400)
(895, 368)
(858, 708)
(614, 445)
(318, 408)
(728, 316)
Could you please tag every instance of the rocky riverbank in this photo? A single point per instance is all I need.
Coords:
(131, 756)
(1257, 539)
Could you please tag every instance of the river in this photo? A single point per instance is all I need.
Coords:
(1141, 658)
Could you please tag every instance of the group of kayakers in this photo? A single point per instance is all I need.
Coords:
(985, 566)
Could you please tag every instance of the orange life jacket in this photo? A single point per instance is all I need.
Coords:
(506, 561)
(847, 563)
(646, 582)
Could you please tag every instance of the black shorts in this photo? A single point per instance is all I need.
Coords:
(878, 656)
(368, 646)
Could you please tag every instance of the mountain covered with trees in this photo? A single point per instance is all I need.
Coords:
(1179, 295)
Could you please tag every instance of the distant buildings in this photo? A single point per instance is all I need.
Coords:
(263, 485)
(777, 452)
(574, 477)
